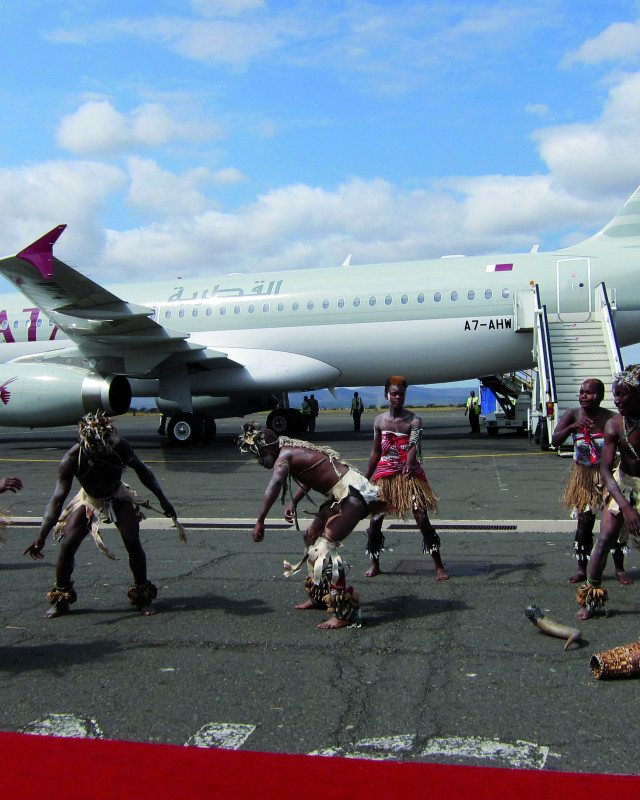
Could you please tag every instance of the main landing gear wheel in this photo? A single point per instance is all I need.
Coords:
(185, 429)
(285, 421)
(208, 428)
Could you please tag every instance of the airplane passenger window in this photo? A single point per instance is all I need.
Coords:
(372, 301)
(325, 304)
(251, 308)
(437, 297)
(39, 323)
(295, 305)
(356, 302)
(167, 314)
(236, 309)
(421, 298)
(505, 294)
(454, 295)
(280, 306)
(488, 294)
(341, 302)
(404, 299)
(195, 312)
(209, 311)
(387, 300)
(265, 307)
(181, 313)
(5, 324)
(310, 305)
(471, 295)
(15, 324)
(223, 310)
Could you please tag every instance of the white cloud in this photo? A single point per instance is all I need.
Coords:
(498, 206)
(300, 226)
(213, 8)
(537, 108)
(157, 191)
(295, 226)
(227, 175)
(35, 199)
(389, 48)
(619, 42)
(97, 127)
(589, 159)
(227, 42)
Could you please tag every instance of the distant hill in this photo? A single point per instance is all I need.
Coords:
(374, 396)
(421, 396)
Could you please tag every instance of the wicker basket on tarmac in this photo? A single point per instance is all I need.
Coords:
(619, 662)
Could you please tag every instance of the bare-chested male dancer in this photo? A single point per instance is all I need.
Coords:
(583, 493)
(394, 467)
(350, 499)
(98, 461)
(622, 486)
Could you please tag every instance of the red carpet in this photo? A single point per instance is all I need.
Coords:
(85, 769)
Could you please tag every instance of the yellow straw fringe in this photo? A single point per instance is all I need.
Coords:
(405, 495)
(584, 489)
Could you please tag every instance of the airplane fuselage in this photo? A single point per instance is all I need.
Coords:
(234, 344)
(450, 319)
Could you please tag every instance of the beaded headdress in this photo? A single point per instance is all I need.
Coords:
(629, 377)
(96, 433)
(253, 437)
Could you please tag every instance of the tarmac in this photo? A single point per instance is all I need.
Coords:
(447, 672)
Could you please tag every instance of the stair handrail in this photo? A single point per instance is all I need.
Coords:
(544, 360)
(611, 337)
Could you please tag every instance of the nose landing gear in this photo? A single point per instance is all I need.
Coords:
(188, 429)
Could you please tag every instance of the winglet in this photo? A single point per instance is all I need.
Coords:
(40, 253)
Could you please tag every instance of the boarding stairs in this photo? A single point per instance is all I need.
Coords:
(570, 348)
(579, 351)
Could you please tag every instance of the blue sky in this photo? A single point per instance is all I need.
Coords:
(181, 137)
(213, 136)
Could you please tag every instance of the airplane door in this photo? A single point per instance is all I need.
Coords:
(574, 287)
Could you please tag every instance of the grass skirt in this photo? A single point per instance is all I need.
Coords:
(584, 490)
(407, 495)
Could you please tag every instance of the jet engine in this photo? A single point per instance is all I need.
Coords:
(42, 395)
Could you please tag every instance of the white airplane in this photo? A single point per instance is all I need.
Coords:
(236, 344)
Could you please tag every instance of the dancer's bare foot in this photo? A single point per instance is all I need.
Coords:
(333, 622)
(147, 611)
(579, 577)
(623, 578)
(59, 610)
(441, 574)
(373, 570)
(305, 606)
(584, 613)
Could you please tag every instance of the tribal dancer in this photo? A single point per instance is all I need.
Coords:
(622, 486)
(98, 461)
(583, 493)
(395, 468)
(350, 499)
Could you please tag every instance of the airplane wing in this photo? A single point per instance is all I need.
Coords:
(100, 324)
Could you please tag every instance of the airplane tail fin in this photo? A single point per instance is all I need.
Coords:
(624, 229)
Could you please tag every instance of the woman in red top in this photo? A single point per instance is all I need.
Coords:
(394, 466)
